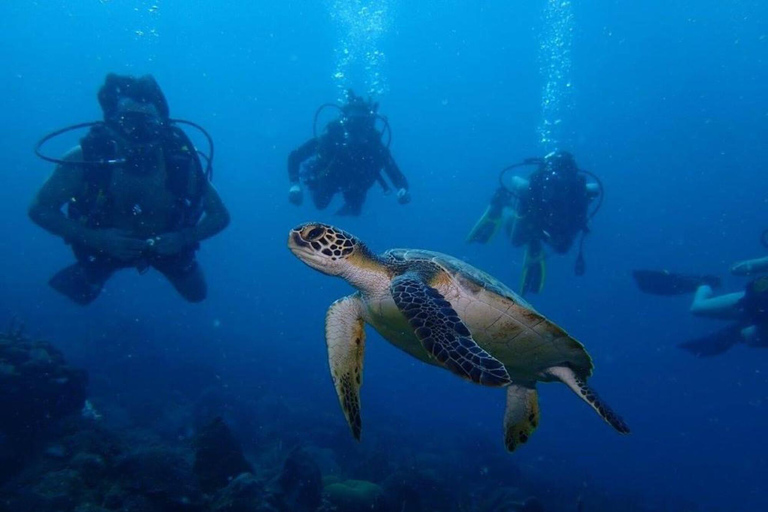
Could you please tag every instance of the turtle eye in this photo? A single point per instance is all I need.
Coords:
(314, 234)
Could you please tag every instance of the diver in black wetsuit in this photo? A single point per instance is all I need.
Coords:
(550, 208)
(747, 310)
(136, 195)
(348, 158)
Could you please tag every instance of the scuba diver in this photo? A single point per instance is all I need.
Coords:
(136, 195)
(347, 158)
(550, 207)
(747, 310)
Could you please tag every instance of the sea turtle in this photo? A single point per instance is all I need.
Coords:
(447, 313)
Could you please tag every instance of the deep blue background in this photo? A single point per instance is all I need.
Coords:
(670, 109)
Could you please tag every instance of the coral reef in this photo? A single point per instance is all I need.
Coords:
(180, 448)
(37, 385)
(38, 389)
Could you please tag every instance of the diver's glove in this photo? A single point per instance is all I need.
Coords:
(294, 194)
(403, 197)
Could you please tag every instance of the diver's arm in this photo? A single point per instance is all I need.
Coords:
(593, 190)
(61, 186)
(394, 174)
(297, 156)
(215, 218)
(750, 267)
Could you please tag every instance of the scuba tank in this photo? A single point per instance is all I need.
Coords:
(357, 106)
(540, 165)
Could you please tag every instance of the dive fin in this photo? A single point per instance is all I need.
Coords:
(664, 282)
(73, 281)
(714, 344)
(487, 226)
(534, 270)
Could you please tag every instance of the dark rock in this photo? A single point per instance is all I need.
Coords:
(531, 504)
(162, 475)
(80, 435)
(245, 493)
(37, 390)
(403, 494)
(416, 490)
(508, 499)
(113, 499)
(218, 457)
(90, 466)
(37, 387)
(374, 466)
(55, 491)
(138, 503)
(90, 507)
(299, 486)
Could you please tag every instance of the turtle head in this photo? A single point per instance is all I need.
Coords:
(323, 247)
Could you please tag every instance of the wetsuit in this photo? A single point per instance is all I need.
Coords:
(342, 165)
(552, 210)
(94, 207)
(754, 308)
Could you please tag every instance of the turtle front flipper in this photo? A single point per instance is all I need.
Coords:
(521, 416)
(578, 386)
(443, 334)
(345, 337)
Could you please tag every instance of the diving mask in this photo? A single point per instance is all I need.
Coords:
(139, 122)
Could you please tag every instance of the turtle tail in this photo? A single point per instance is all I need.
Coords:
(579, 386)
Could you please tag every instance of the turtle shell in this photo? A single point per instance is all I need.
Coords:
(501, 322)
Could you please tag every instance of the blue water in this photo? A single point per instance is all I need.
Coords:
(666, 102)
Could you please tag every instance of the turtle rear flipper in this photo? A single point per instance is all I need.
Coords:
(443, 334)
(345, 337)
(521, 416)
(578, 386)
(714, 344)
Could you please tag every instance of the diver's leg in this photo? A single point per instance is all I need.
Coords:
(750, 267)
(561, 243)
(322, 192)
(534, 269)
(83, 281)
(353, 202)
(520, 230)
(185, 274)
(724, 307)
